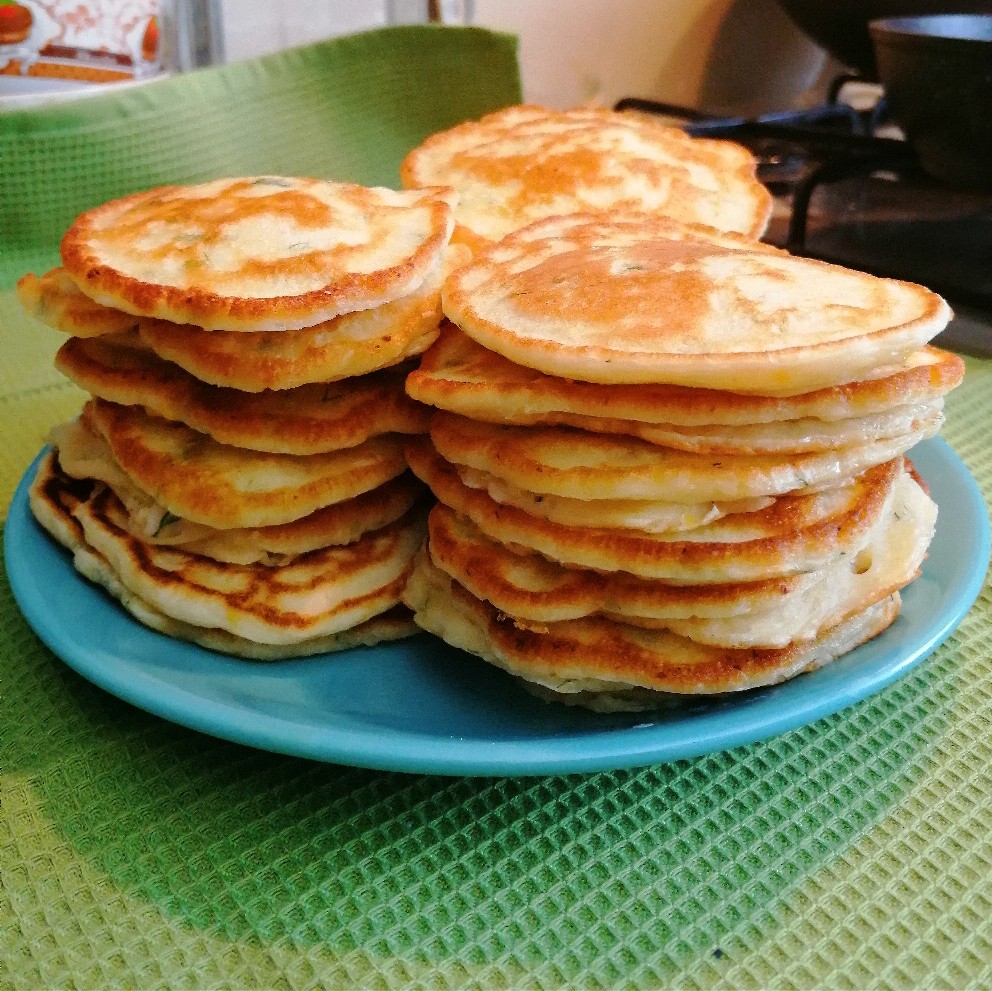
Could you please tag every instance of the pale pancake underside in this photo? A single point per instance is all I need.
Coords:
(523, 164)
(257, 254)
(597, 662)
(647, 515)
(794, 535)
(627, 303)
(199, 479)
(53, 503)
(770, 613)
(576, 464)
(309, 419)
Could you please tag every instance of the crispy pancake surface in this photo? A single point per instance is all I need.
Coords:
(322, 592)
(332, 526)
(576, 464)
(488, 388)
(263, 253)
(54, 299)
(56, 498)
(526, 163)
(793, 535)
(618, 302)
(199, 479)
(597, 661)
(764, 613)
(344, 347)
(461, 376)
(309, 419)
(83, 453)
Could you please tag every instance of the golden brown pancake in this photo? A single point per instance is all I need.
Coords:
(346, 346)
(309, 419)
(54, 299)
(629, 303)
(265, 253)
(54, 498)
(322, 592)
(525, 163)
(394, 624)
(461, 376)
(794, 535)
(763, 613)
(84, 454)
(199, 479)
(575, 464)
(607, 665)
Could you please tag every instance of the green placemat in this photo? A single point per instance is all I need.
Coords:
(852, 853)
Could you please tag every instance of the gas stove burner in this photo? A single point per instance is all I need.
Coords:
(845, 193)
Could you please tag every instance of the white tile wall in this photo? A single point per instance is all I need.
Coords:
(735, 56)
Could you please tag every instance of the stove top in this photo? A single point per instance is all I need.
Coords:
(848, 189)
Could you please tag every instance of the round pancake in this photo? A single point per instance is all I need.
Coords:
(84, 454)
(54, 497)
(394, 624)
(460, 376)
(319, 593)
(526, 163)
(309, 419)
(199, 479)
(266, 253)
(651, 516)
(54, 299)
(770, 613)
(785, 437)
(627, 303)
(794, 535)
(331, 526)
(596, 661)
(347, 346)
(576, 464)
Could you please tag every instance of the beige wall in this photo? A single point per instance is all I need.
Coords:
(727, 56)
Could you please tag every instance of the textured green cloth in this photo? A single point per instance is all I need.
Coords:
(347, 109)
(852, 853)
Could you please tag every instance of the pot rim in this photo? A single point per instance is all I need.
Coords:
(956, 29)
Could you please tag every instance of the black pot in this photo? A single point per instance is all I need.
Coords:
(937, 73)
(841, 26)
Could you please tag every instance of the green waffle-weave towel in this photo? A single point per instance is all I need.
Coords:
(349, 108)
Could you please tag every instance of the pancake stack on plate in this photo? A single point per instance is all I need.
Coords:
(238, 477)
(527, 163)
(670, 460)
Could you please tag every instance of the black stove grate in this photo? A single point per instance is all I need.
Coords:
(845, 194)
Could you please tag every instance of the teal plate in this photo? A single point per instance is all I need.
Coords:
(421, 706)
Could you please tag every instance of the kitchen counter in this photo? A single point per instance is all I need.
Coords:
(855, 851)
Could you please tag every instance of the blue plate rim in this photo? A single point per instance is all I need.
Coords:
(646, 740)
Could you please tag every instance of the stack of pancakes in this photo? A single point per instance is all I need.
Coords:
(526, 163)
(670, 459)
(238, 477)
